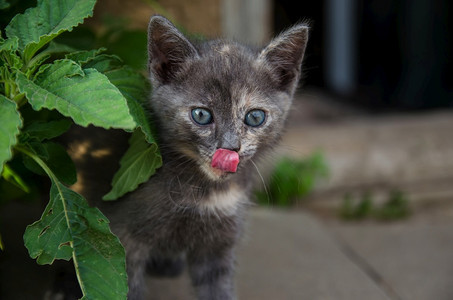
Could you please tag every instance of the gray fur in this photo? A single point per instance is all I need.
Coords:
(187, 209)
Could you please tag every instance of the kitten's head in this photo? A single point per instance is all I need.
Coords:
(220, 94)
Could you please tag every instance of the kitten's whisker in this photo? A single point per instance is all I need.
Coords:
(262, 180)
(291, 148)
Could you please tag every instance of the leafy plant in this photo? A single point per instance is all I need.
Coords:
(357, 211)
(45, 87)
(292, 179)
(119, 39)
(396, 207)
(128, 44)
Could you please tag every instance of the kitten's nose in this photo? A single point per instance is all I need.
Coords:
(230, 141)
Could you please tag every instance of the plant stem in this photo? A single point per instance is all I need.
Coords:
(38, 160)
(7, 88)
(20, 99)
(33, 60)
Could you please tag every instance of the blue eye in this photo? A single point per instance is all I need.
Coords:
(255, 117)
(201, 116)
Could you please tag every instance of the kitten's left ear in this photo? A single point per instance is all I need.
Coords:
(284, 55)
(168, 49)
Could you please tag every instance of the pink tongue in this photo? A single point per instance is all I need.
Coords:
(225, 160)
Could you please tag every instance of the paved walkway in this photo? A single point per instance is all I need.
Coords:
(290, 255)
(307, 258)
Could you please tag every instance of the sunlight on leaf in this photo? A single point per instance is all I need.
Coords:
(9, 175)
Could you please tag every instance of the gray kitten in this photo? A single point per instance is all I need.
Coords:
(217, 107)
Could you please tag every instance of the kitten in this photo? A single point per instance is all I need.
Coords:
(217, 107)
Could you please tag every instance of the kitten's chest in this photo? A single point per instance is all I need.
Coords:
(213, 219)
(198, 231)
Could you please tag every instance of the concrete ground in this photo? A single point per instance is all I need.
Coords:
(295, 255)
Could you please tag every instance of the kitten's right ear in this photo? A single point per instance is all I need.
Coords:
(168, 49)
(284, 55)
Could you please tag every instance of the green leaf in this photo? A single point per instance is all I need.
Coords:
(82, 57)
(56, 158)
(136, 166)
(40, 58)
(39, 25)
(10, 124)
(49, 238)
(86, 96)
(101, 62)
(41, 130)
(3, 5)
(136, 89)
(55, 47)
(61, 163)
(70, 228)
(133, 85)
(9, 175)
(8, 55)
(10, 44)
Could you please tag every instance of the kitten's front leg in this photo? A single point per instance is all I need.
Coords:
(136, 278)
(136, 259)
(212, 274)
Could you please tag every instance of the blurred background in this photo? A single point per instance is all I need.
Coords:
(382, 55)
(368, 152)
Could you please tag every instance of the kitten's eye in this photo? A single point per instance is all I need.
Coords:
(255, 117)
(201, 116)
